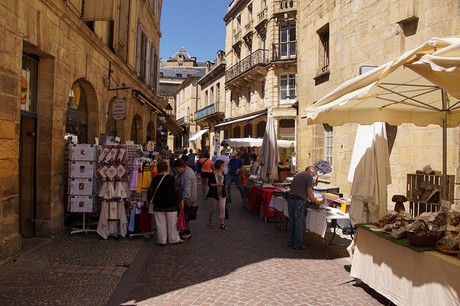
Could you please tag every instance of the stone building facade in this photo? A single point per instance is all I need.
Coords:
(338, 38)
(62, 66)
(261, 75)
(211, 107)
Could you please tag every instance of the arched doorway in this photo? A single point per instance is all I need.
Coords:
(82, 111)
(136, 130)
(77, 114)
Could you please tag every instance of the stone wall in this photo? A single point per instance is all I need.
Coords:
(68, 52)
(370, 33)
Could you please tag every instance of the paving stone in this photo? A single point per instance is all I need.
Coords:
(249, 264)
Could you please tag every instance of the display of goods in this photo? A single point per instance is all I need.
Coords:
(82, 204)
(388, 218)
(331, 196)
(84, 152)
(82, 169)
(424, 237)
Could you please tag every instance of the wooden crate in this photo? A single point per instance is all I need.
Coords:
(417, 182)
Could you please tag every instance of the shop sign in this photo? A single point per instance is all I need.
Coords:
(119, 109)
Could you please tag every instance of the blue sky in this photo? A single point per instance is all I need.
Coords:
(196, 25)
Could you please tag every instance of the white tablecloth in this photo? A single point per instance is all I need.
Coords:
(280, 204)
(404, 276)
(317, 219)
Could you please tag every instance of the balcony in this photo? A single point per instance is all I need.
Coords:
(261, 22)
(284, 51)
(209, 115)
(257, 58)
(236, 37)
(248, 28)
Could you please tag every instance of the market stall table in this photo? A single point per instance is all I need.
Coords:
(318, 218)
(259, 196)
(404, 276)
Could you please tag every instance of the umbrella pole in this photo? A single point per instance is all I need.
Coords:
(444, 146)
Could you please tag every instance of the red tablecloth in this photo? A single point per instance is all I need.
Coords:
(266, 195)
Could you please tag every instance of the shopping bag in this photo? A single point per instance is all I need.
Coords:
(191, 211)
(181, 224)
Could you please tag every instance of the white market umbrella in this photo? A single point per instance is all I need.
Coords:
(269, 152)
(420, 87)
(370, 174)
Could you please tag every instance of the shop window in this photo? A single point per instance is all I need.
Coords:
(77, 113)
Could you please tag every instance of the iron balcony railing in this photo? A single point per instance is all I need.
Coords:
(206, 111)
(256, 58)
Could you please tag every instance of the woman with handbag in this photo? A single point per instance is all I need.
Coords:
(206, 170)
(217, 193)
(163, 196)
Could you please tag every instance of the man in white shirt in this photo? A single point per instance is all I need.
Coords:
(225, 159)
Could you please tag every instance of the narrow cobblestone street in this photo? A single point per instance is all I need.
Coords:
(248, 264)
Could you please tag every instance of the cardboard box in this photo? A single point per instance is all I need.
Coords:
(84, 152)
(82, 169)
(81, 186)
(81, 204)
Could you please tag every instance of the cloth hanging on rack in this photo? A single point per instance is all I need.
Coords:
(144, 224)
(123, 223)
(135, 177)
(103, 224)
(132, 219)
(146, 176)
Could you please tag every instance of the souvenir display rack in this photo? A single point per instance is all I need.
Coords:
(81, 182)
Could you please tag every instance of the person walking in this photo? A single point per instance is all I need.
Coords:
(206, 169)
(191, 160)
(223, 156)
(165, 195)
(234, 176)
(217, 193)
(301, 192)
(186, 179)
(214, 157)
(184, 156)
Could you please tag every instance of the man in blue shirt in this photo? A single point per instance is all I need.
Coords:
(234, 176)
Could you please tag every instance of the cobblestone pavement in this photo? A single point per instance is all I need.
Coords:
(248, 264)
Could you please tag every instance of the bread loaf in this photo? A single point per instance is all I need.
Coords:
(331, 196)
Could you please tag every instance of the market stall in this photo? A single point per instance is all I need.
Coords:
(404, 275)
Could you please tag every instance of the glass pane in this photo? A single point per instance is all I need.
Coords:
(283, 50)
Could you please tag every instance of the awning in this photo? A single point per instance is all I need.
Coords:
(240, 119)
(198, 134)
(255, 142)
(172, 125)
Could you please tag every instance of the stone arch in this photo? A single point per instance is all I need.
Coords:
(247, 130)
(150, 131)
(136, 129)
(82, 111)
(236, 132)
(261, 129)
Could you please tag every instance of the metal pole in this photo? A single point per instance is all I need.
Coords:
(444, 145)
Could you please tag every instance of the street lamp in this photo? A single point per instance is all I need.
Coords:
(168, 109)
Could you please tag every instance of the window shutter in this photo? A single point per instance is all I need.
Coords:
(98, 10)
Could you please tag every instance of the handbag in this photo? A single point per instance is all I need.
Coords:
(151, 201)
(181, 225)
(191, 211)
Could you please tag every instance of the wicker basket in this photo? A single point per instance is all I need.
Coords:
(427, 239)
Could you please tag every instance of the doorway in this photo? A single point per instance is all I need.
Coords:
(27, 175)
